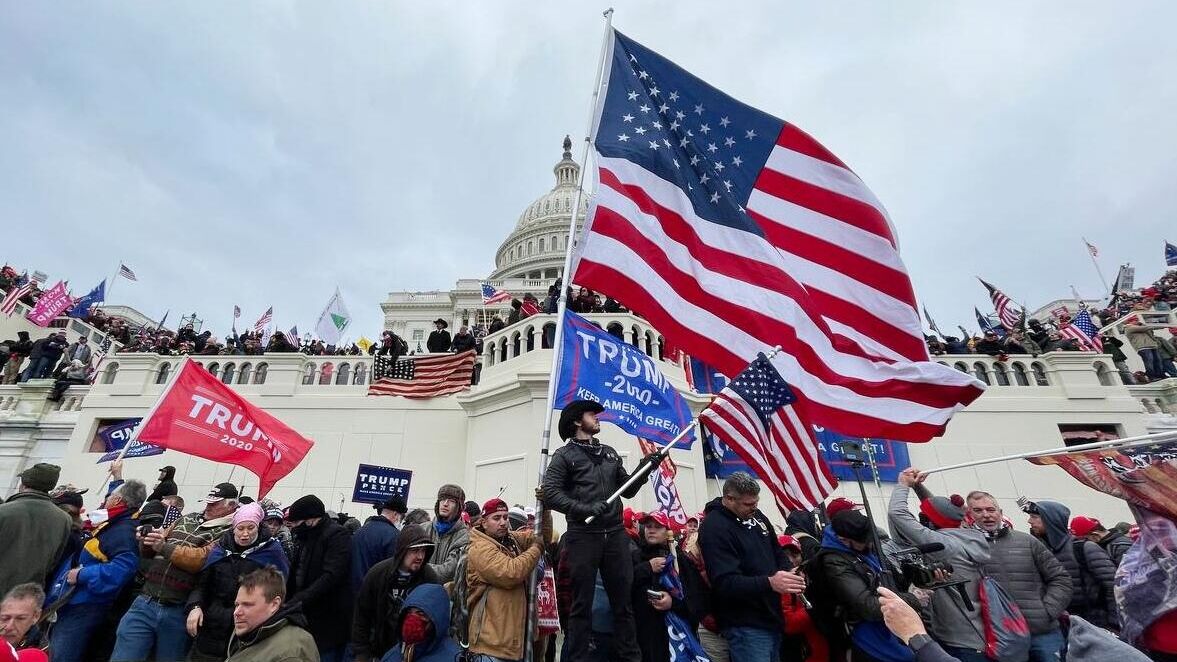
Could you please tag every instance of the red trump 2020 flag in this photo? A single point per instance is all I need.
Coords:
(199, 415)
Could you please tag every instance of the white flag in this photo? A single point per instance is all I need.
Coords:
(333, 320)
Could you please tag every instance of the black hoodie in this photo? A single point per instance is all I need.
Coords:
(740, 555)
(166, 486)
(382, 594)
(801, 525)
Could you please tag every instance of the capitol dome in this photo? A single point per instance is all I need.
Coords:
(535, 248)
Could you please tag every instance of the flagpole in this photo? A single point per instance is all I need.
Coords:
(561, 306)
(1128, 442)
(1094, 262)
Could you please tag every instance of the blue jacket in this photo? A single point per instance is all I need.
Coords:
(374, 542)
(435, 602)
(108, 561)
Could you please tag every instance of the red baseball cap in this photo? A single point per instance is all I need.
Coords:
(493, 506)
(1081, 526)
(627, 517)
(787, 540)
(839, 504)
(659, 517)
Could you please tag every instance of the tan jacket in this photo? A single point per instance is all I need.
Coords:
(493, 571)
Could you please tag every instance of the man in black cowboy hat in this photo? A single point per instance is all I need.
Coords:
(581, 476)
(439, 338)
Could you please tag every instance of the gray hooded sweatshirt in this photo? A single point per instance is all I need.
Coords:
(1093, 595)
(953, 624)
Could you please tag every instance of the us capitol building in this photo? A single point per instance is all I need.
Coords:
(487, 439)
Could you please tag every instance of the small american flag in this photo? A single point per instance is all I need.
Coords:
(292, 336)
(1082, 330)
(126, 272)
(754, 416)
(423, 377)
(529, 307)
(1091, 248)
(264, 320)
(1007, 312)
(14, 295)
(236, 312)
(491, 296)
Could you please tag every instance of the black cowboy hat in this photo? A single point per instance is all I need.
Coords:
(571, 414)
(444, 324)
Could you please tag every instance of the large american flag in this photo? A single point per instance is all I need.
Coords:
(264, 320)
(427, 376)
(491, 296)
(754, 416)
(732, 231)
(1009, 314)
(14, 294)
(1082, 330)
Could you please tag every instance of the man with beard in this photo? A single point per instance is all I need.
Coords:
(499, 565)
(581, 476)
(376, 539)
(320, 575)
(1092, 572)
(651, 555)
(448, 534)
(382, 594)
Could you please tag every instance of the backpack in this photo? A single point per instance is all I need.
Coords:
(1079, 549)
(459, 612)
(1007, 634)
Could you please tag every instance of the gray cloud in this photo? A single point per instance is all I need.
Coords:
(263, 153)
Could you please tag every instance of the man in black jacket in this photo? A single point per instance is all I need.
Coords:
(747, 569)
(384, 590)
(1113, 542)
(320, 575)
(581, 476)
(439, 339)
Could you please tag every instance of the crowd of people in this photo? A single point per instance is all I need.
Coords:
(237, 579)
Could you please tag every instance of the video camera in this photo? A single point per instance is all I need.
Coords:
(920, 570)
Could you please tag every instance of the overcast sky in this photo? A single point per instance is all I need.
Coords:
(263, 153)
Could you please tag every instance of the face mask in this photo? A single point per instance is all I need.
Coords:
(301, 530)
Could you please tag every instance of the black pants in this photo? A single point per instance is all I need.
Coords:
(583, 554)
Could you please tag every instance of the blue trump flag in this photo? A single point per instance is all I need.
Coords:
(82, 306)
(890, 456)
(117, 434)
(1170, 255)
(596, 365)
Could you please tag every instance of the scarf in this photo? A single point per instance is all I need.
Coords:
(442, 527)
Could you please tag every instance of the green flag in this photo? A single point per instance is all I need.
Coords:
(333, 320)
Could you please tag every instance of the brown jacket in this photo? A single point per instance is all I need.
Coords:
(500, 575)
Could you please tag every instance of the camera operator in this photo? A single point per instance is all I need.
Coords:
(957, 625)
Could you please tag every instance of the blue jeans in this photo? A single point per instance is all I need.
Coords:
(38, 369)
(1047, 647)
(70, 637)
(1153, 366)
(149, 625)
(966, 654)
(753, 644)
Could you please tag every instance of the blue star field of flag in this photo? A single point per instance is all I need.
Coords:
(661, 117)
(761, 386)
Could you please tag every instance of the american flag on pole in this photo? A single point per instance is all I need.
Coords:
(8, 306)
(292, 336)
(1091, 248)
(236, 312)
(1082, 330)
(422, 377)
(754, 416)
(731, 230)
(1007, 312)
(491, 296)
(264, 320)
(126, 272)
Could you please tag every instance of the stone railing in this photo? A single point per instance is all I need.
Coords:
(1157, 397)
(28, 400)
(537, 332)
(124, 372)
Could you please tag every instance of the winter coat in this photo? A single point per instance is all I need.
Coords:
(320, 582)
(170, 575)
(217, 589)
(1093, 592)
(1031, 575)
(283, 638)
(80, 352)
(35, 534)
(1112, 345)
(953, 624)
(990, 347)
(107, 561)
(844, 589)
(375, 628)
(496, 577)
(166, 486)
(1140, 336)
(739, 556)
(439, 341)
(653, 639)
(374, 542)
(579, 478)
(52, 350)
(435, 603)
(448, 549)
(1116, 545)
(462, 342)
